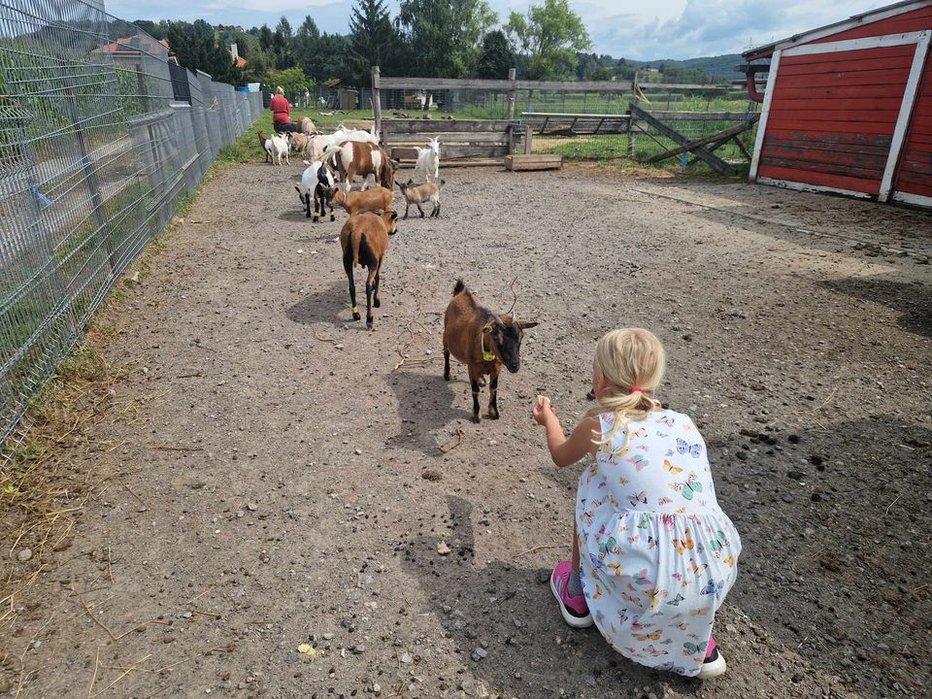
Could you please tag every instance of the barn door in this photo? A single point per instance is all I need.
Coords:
(912, 174)
(832, 115)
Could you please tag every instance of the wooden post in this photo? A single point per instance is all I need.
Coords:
(512, 75)
(528, 131)
(377, 101)
(632, 124)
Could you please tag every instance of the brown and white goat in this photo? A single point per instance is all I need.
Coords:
(427, 192)
(483, 341)
(355, 158)
(364, 239)
(378, 199)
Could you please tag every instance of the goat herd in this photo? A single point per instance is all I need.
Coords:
(482, 340)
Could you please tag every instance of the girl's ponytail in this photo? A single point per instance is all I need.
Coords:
(632, 362)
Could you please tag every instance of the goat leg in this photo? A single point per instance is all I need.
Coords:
(475, 399)
(420, 209)
(436, 212)
(377, 300)
(446, 363)
(369, 281)
(348, 266)
(407, 206)
(493, 394)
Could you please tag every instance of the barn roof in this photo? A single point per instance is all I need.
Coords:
(854, 21)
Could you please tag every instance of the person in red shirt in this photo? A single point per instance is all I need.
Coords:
(281, 111)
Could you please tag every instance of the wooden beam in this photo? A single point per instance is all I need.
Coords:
(717, 164)
(505, 85)
(442, 125)
(722, 136)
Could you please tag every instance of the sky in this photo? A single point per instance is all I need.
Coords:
(642, 31)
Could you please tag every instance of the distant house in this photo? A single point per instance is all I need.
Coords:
(133, 47)
(234, 54)
(848, 107)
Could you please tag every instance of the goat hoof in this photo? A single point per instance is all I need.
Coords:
(475, 419)
(356, 316)
(590, 395)
(377, 303)
(481, 382)
(446, 377)
(492, 416)
(332, 217)
(368, 325)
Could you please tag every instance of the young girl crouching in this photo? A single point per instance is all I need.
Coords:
(653, 553)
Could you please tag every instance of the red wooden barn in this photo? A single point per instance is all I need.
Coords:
(848, 107)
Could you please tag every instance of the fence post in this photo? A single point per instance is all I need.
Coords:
(632, 122)
(90, 169)
(512, 73)
(528, 133)
(376, 100)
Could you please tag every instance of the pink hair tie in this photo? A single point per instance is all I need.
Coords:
(637, 389)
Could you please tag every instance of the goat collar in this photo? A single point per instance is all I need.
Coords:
(486, 356)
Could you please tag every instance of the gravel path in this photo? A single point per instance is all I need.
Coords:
(279, 484)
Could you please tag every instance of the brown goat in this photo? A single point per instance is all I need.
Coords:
(364, 240)
(378, 199)
(299, 143)
(262, 139)
(483, 341)
(415, 194)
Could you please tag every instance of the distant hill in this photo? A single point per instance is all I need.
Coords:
(715, 66)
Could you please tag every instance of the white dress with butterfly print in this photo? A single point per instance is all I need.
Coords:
(657, 553)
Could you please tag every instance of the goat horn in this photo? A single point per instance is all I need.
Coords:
(515, 301)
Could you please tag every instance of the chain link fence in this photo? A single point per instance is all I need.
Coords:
(100, 136)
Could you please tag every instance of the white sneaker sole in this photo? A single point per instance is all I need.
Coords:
(577, 622)
(709, 671)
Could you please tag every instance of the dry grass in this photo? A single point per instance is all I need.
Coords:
(48, 468)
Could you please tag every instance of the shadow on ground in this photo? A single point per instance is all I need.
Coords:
(329, 305)
(425, 407)
(511, 614)
(912, 300)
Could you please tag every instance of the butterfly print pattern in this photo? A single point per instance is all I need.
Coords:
(659, 555)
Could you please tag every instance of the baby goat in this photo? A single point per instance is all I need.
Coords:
(317, 188)
(483, 341)
(277, 147)
(262, 139)
(364, 240)
(415, 194)
(378, 199)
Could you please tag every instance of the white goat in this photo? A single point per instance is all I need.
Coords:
(428, 161)
(277, 147)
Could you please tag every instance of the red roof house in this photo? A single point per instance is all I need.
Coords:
(848, 107)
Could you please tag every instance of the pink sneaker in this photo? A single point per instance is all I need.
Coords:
(574, 609)
(714, 663)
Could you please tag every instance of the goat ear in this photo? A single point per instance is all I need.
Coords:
(524, 324)
(488, 327)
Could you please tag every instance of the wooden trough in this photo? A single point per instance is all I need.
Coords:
(522, 163)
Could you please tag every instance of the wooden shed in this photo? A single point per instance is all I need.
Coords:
(848, 107)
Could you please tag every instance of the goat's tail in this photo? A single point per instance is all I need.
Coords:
(357, 240)
(459, 288)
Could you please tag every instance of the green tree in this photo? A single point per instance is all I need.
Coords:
(497, 56)
(196, 47)
(293, 80)
(373, 40)
(548, 37)
(443, 36)
(282, 45)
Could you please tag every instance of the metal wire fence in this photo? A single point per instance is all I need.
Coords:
(100, 136)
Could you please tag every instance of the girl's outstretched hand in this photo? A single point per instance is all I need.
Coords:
(542, 410)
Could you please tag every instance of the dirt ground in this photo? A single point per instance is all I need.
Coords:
(279, 483)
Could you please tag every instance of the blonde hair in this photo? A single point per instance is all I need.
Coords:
(628, 358)
(279, 90)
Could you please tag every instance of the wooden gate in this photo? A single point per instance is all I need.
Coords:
(478, 142)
